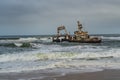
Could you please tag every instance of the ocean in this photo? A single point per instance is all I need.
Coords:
(29, 53)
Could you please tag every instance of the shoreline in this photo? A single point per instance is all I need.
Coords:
(99, 75)
(111, 74)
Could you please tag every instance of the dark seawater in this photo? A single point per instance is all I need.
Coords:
(26, 53)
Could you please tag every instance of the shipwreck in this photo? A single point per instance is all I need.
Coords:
(78, 36)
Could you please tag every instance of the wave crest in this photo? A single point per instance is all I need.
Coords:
(16, 45)
(110, 38)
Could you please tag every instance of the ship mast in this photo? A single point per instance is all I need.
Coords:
(61, 28)
(79, 26)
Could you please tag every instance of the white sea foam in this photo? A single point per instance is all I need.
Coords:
(31, 40)
(78, 57)
(64, 57)
(64, 66)
(28, 39)
(83, 55)
(36, 45)
(110, 38)
(54, 52)
(18, 44)
(46, 39)
(24, 56)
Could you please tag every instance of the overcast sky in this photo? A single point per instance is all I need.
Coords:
(39, 17)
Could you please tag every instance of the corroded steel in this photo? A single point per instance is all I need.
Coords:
(79, 36)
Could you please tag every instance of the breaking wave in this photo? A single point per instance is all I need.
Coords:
(110, 38)
(16, 45)
(46, 39)
(29, 39)
(83, 55)
(57, 56)
(36, 55)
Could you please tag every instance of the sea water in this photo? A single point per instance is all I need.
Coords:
(27, 53)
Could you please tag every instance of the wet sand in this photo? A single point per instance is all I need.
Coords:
(101, 75)
(39, 75)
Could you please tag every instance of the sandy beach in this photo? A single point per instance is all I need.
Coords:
(101, 75)
(39, 75)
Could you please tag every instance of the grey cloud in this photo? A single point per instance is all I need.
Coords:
(18, 9)
(51, 13)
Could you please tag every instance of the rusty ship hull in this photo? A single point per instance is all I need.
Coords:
(78, 41)
(79, 36)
